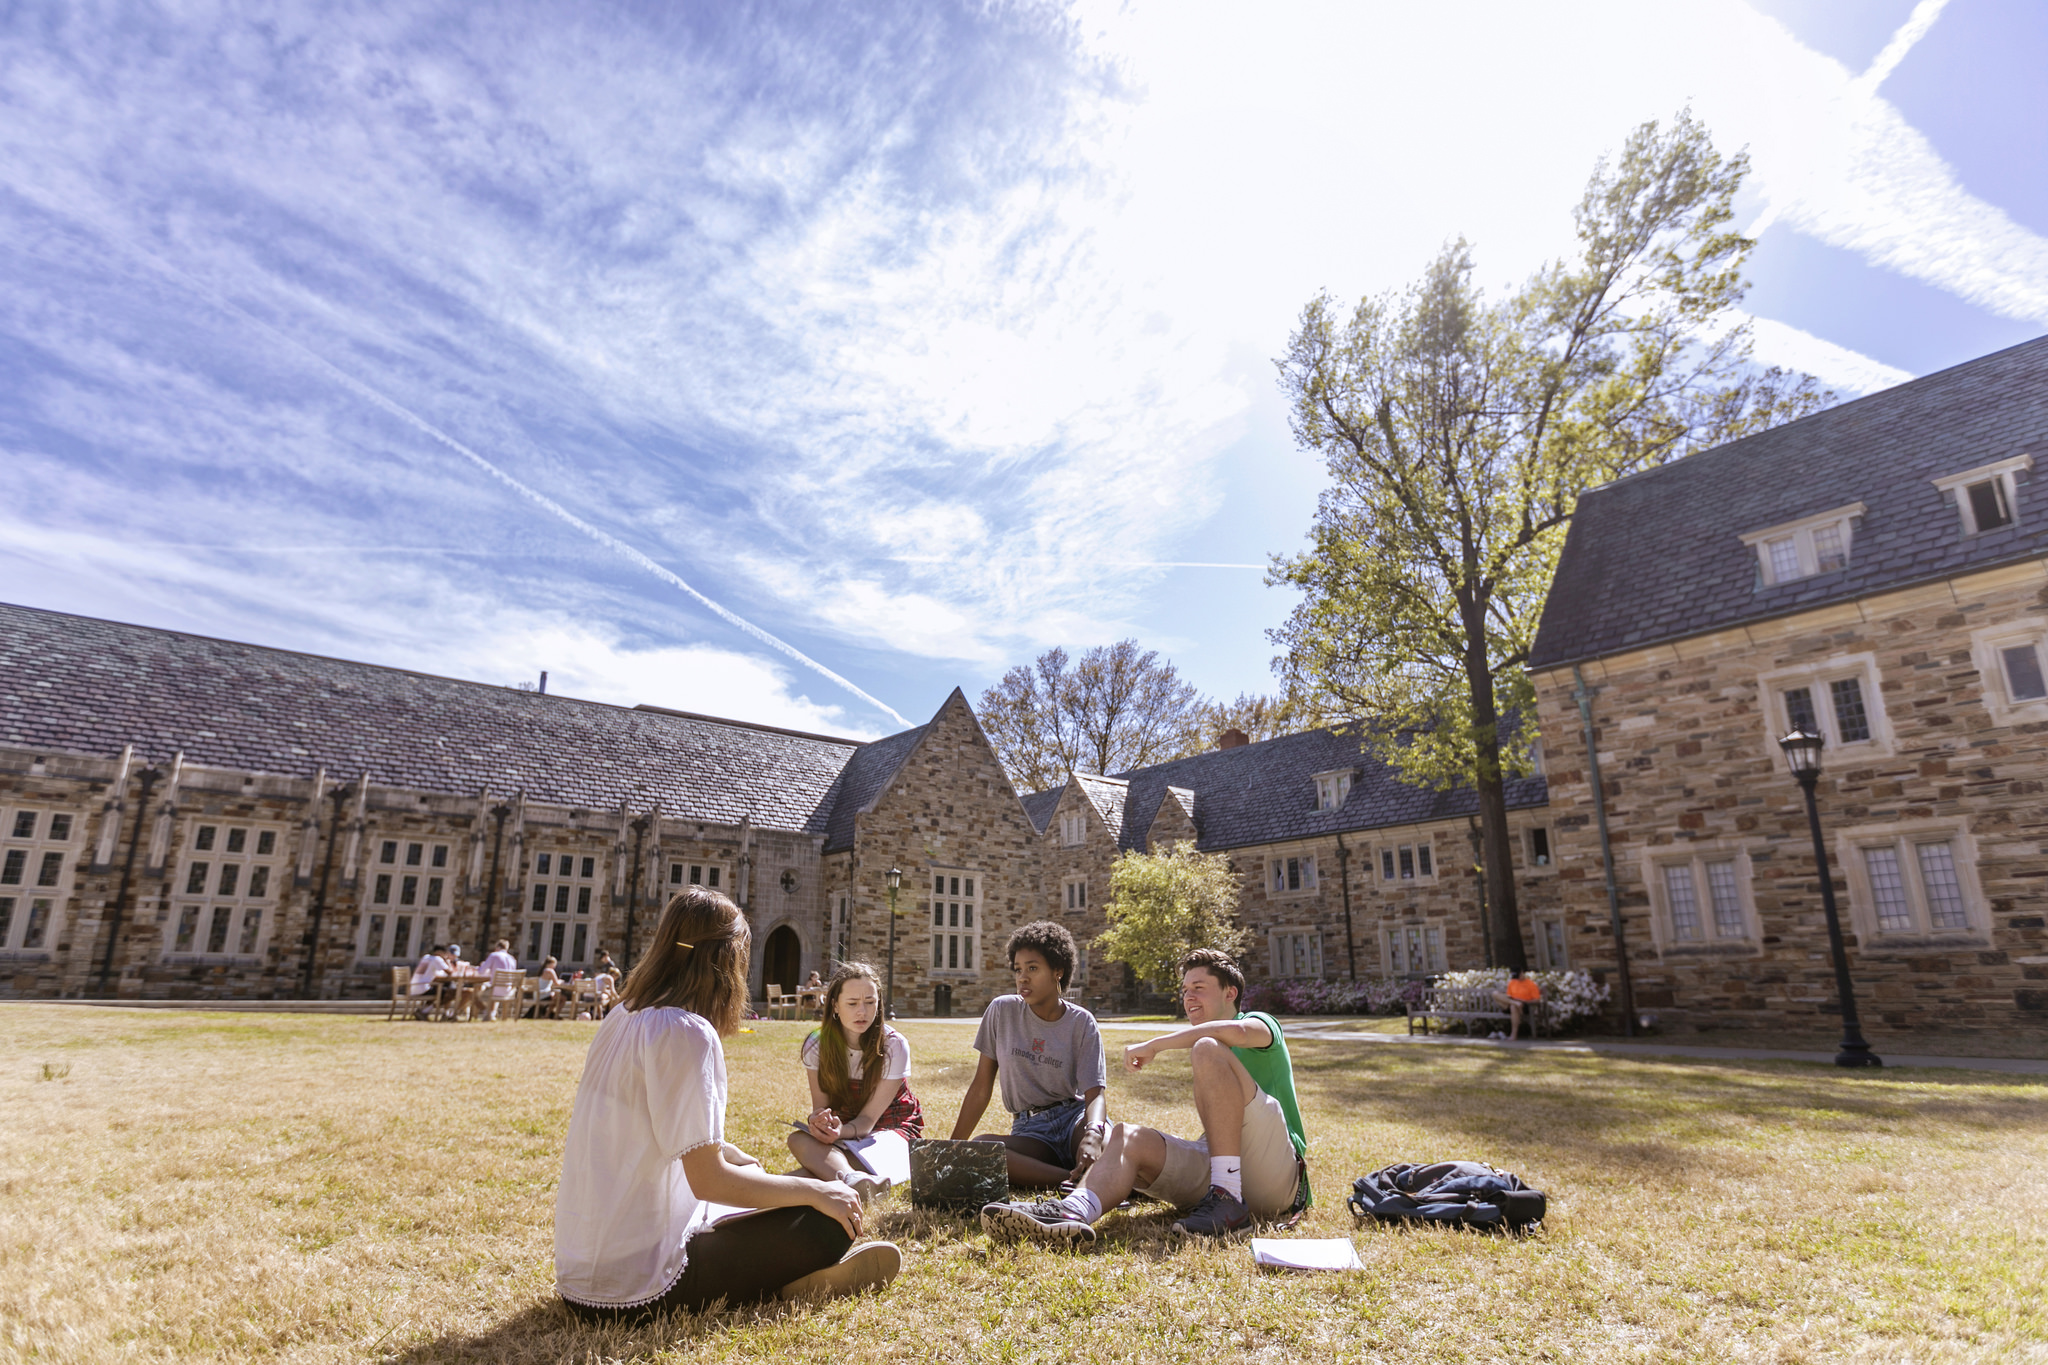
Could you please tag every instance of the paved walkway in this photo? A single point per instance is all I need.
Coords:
(1329, 1033)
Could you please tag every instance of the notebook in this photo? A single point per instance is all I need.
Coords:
(958, 1175)
(1306, 1253)
(886, 1154)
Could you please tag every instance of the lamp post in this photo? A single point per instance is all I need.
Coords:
(895, 877)
(1802, 754)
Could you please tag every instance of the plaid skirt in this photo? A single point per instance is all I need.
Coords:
(904, 1114)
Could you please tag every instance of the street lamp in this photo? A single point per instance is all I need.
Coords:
(895, 877)
(1802, 754)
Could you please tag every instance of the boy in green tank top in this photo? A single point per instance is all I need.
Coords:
(1251, 1158)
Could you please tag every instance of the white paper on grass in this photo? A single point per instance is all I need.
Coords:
(1306, 1253)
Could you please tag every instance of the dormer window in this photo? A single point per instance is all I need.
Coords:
(1986, 497)
(1800, 549)
(1333, 788)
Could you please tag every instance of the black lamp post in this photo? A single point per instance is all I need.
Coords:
(1802, 754)
(895, 876)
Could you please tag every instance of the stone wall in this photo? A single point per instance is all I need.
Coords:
(1692, 777)
(949, 811)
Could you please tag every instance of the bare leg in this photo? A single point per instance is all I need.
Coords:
(826, 1163)
(1222, 1089)
(1514, 1019)
(1131, 1157)
(1030, 1160)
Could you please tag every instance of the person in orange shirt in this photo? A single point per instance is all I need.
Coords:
(1522, 991)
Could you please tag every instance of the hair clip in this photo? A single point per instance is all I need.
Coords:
(681, 944)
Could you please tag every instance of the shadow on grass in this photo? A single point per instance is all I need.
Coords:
(547, 1333)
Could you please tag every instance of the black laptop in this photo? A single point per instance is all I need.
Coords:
(960, 1176)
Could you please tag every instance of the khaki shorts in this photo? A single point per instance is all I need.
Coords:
(1271, 1169)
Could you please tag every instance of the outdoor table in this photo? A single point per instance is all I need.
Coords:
(444, 983)
(812, 998)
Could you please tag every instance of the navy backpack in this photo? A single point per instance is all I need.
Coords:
(1467, 1194)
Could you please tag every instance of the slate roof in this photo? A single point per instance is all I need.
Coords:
(1039, 806)
(866, 775)
(1266, 793)
(1657, 556)
(1107, 795)
(76, 684)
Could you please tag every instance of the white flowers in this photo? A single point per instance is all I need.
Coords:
(1570, 994)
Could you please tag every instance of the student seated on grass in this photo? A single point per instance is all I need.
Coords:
(646, 1151)
(1049, 1054)
(1522, 992)
(859, 1070)
(1247, 1163)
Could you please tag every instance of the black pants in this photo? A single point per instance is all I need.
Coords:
(744, 1261)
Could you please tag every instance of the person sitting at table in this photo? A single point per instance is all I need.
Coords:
(646, 1152)
(432, 967)
(462, 976)
(859, 1070)
(500, 959)
(546, 985)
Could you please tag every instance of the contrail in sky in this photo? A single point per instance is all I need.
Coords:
(531, 494)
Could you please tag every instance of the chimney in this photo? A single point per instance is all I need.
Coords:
(1232, 738)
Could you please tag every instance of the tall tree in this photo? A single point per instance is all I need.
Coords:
(1459, 433)
(1117, 707)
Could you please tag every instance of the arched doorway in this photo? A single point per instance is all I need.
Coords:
(782, 959)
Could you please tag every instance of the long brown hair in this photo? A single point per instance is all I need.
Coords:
(698, 961)
(833, 1076)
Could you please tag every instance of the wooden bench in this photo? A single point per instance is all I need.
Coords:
(1468, 1003)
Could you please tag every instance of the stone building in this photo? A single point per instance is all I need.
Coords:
(188, 817)
(1878, 571)
(1347, 871)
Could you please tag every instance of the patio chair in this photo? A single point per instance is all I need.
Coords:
(778, 1001)
(401, 999)
(506, 990)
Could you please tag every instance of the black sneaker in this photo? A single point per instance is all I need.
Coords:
(1047, 1221)
(1220, 1214)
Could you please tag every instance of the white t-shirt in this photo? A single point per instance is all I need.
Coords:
(895, 1057)
(500, 961)
(431, 966)
(653, 1088)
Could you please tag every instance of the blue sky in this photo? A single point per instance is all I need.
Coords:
(800, 362)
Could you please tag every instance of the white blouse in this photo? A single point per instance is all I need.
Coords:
(653, 1088)
(895, 1057)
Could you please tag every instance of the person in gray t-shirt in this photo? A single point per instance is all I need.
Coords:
(1049, 1054)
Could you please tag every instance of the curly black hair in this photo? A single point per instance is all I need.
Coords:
(1050, 941)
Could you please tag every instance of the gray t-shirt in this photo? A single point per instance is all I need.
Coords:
(1041, 1063)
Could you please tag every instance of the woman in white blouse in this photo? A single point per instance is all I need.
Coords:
(646, 1165)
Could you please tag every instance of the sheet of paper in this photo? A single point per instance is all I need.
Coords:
(886, 1154)
(1306, 1253)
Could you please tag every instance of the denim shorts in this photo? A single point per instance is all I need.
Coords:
(1056, 1127)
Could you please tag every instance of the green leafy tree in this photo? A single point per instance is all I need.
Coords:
(1459, 432)
(1259, 717)
(1164, 905)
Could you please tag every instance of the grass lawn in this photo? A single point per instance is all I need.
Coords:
(182, 1186)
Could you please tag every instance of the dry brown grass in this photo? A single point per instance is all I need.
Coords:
(237, 1187)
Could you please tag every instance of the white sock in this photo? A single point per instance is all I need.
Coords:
(1083, 1204)
(1226, 1173)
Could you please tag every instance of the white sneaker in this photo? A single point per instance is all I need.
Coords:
(1495, 1036)
(867, 1266)
(865, 1185)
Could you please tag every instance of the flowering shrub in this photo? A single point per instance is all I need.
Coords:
(1368, 995)
(1571, 995)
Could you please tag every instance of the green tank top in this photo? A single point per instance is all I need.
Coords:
(1273, 1071)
